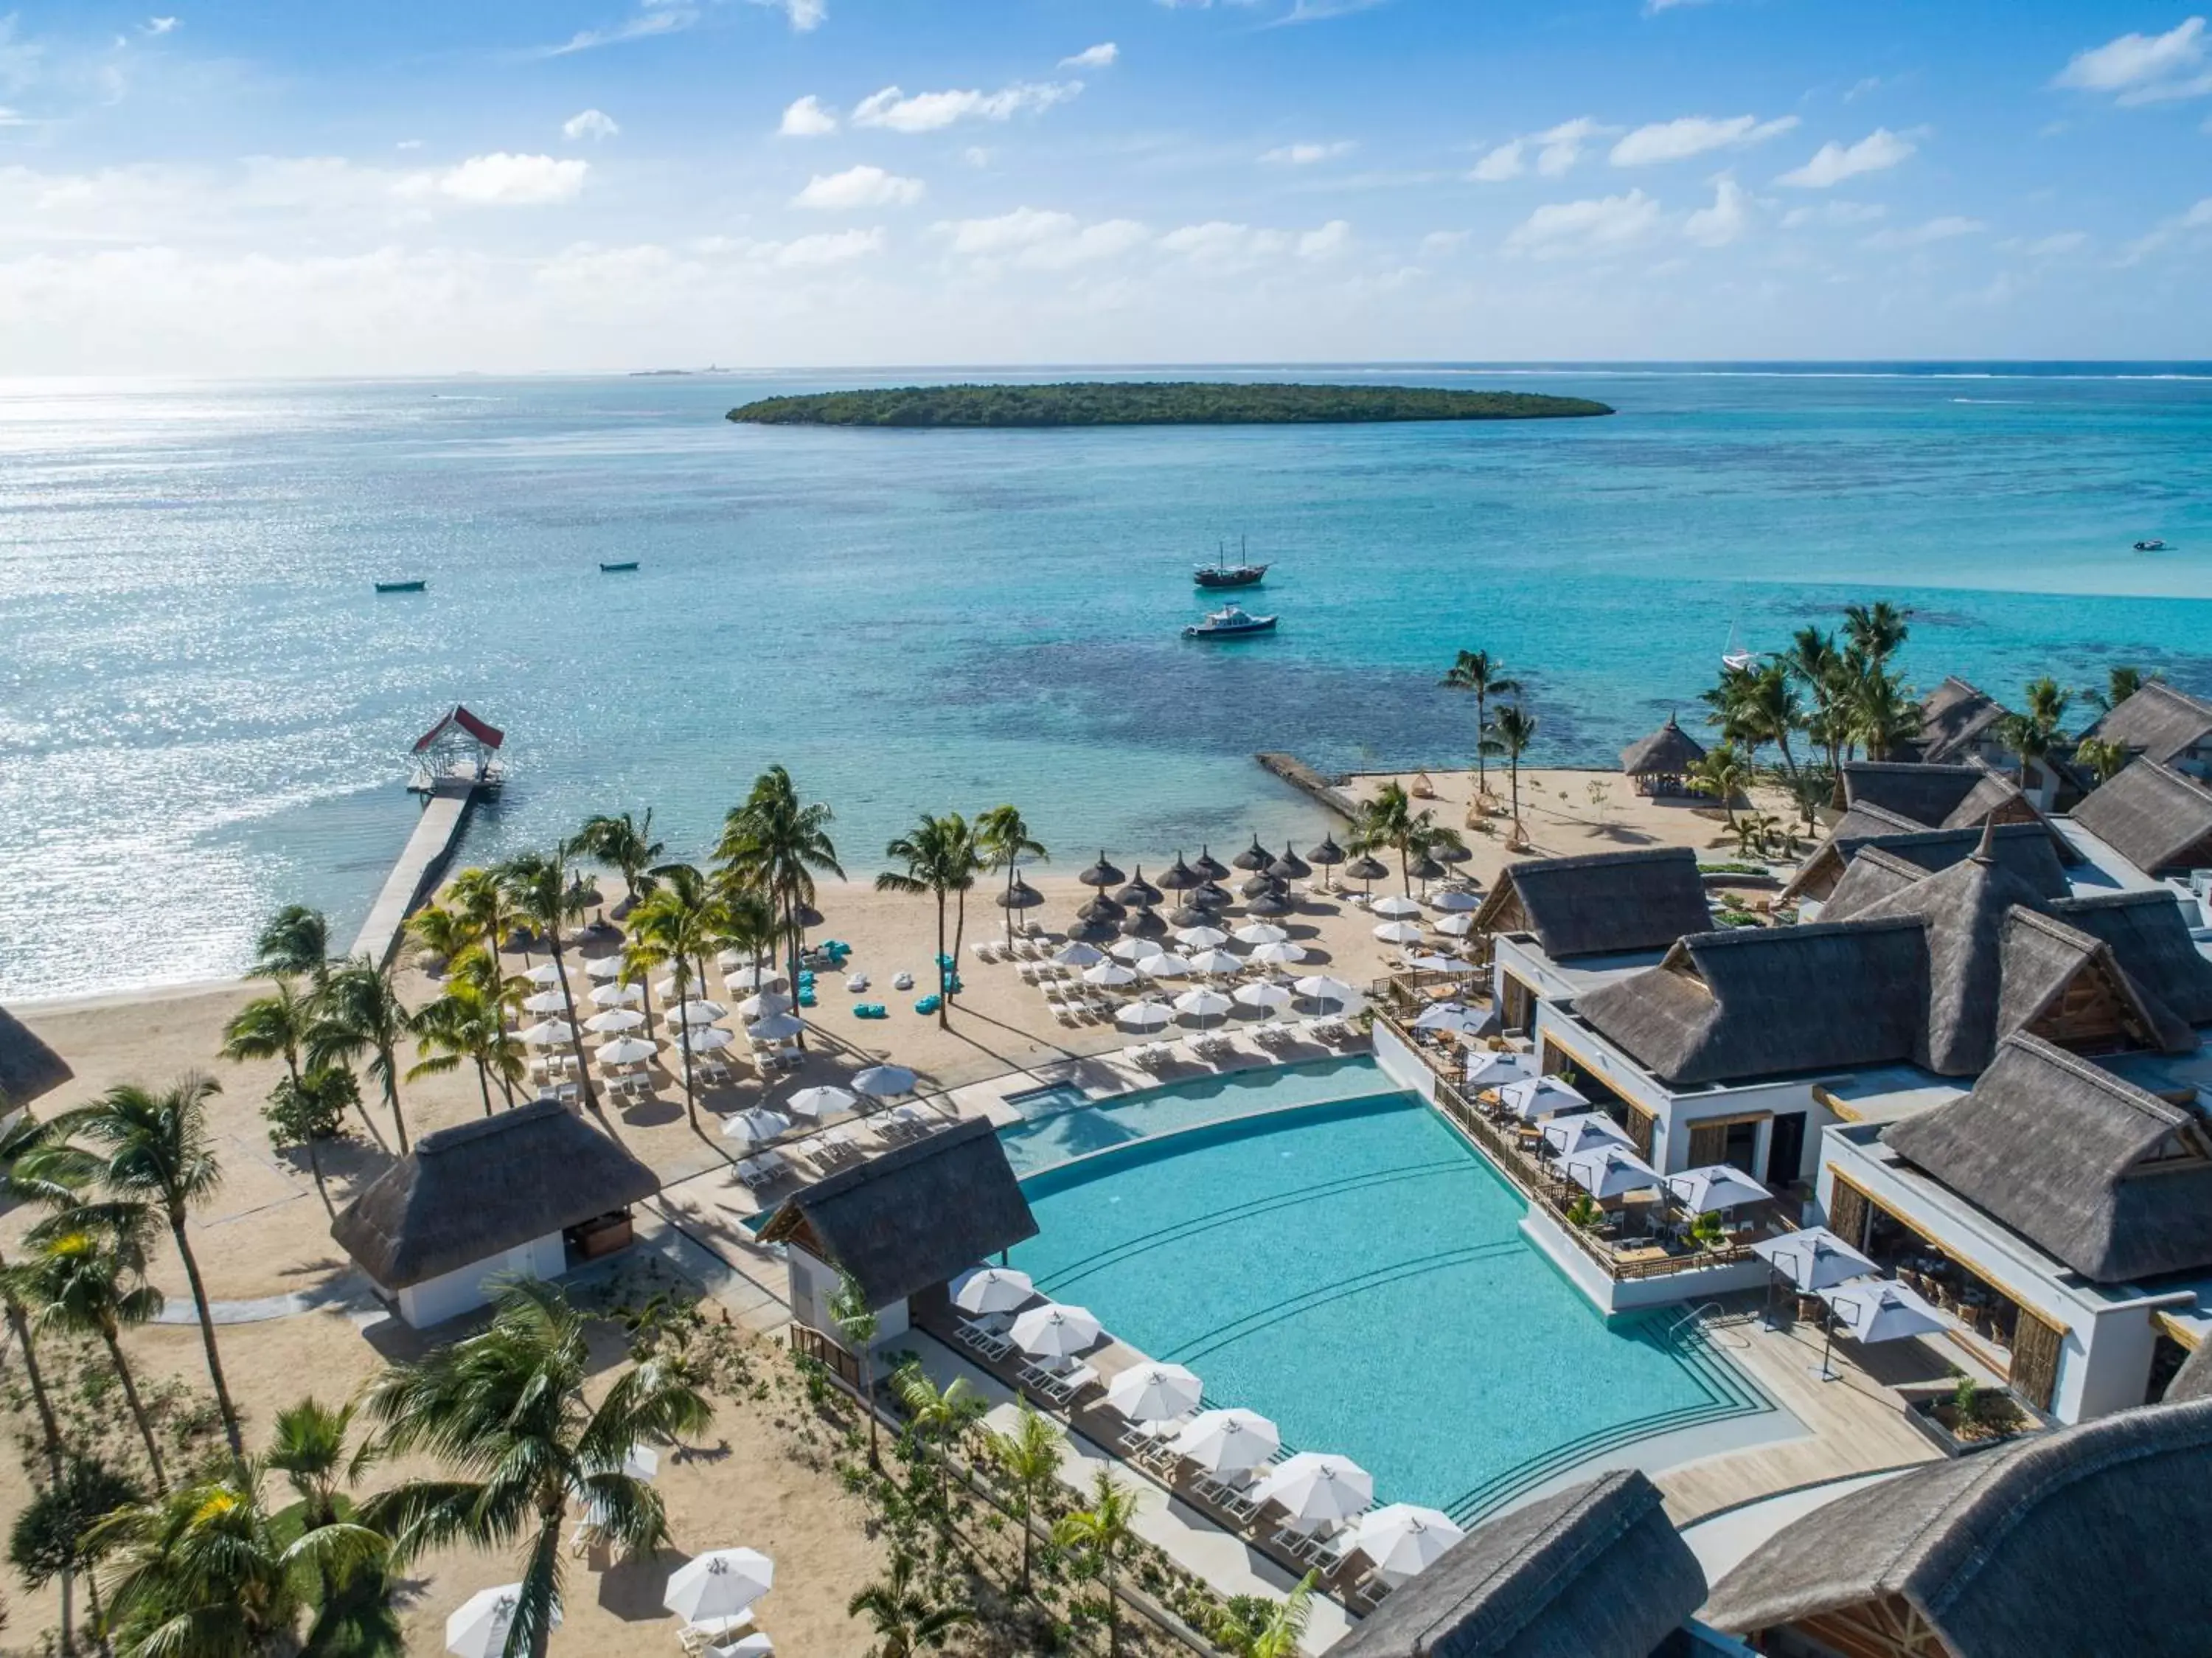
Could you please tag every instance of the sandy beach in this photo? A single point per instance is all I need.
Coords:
(267, 1234)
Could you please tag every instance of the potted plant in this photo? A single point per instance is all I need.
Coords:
(1971, 1418)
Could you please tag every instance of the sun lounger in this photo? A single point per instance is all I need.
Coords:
(1064, 1387)
(756, 1645)
(984, 1340)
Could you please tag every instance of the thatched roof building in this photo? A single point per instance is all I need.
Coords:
(916, 1217)
(2076, 1541)
(467, 1195)
(2149, 938)
(1662, 761)
(2159, 723)
(1595, 1572)
(1924, 795)
(2193, 1381)
(1955, 719)
(2111, 1180)
(1600, 904)
(28, 1068)
(1767, 1002)
(2154, 817)
(2029, 850)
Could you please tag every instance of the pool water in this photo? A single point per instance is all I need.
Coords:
(1058, 1123)
(1356, 1271)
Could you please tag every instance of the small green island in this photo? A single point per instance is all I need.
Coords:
(1155, 403)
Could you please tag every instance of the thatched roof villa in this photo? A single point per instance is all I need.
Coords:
(1596, 1571)
(1560, 926)
(1959, 722)
(2158, 819)
(1661, 763)
(2070, 1543)
(903, 1223)
(510, 1195)
(2163, 724)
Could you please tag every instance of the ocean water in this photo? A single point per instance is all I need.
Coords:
(203, 707)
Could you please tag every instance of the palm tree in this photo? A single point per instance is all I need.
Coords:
(537, 885)
(2046, 702)
(295, 944)
(48, 1542)
(857, 1325)
(1813, 658)
(1029, 1456)
(625, 844)
(271, 1027)
(86, 1276)
(361, 1014)
(939, 1417)
(2121, 682)
(507, 1410)
(1771, 709)
(1876, 631)
(309, 1111)
(674, 925)
(1882, 715)
(2103, 759)
(443, 931)
(19, 1139)
(1003, 836)
(468, 1021)
(1255, 1626)
(1104, 1530)
(204, 1573)
(480, 896)
(904, 1618)
(154, 1148)
(1512, 734)
(1724, 775)
(774, 845)
(941, 859)
(1481, 674)
(309, 1449)
(2029, 741)
(1385, 823)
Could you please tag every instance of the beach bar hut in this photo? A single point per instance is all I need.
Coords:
(28, 1068)
(1596, 1571)
(1662, 763)
(518, 1194)
(2078, 1541)
(903, 1224)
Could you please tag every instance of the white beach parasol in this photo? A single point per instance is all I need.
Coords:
(700, 1038)
(1315, 1486)
(626, 1051)
(1716, 1186)
(1395, 906)
(545, 1002)
(776, 1027)
(1452, 901)
(1109, 973)
(764, 1003)
(881, 1081)
(753, 1127)
(1203, 1005)
(1609, 1171)
(1534, 1096)
(985, 1289)
(1457, 926)
(1144, 1015)
(1814, 1259)
(1228, 1441)
(1202, 938)
(1491, 1070)
(1166, 965)
(1260, 932)
(1451, 1016)
(1318, 987)
(1589, 1130)
(1076, 954)
(819, 1101)
(1133, 950)
(1154, 1392)
(1263, 996)
(700, 1012)
(617, 995)
(1405, 1538)
(716, 1587)
(1878, 1309)
(479, 1628)
(550, 1033)
(614, 1021)
(1281, 953)
(544, 974)
(601, 968)
(1217, 964)
(1055, 1331)
(1400, 932)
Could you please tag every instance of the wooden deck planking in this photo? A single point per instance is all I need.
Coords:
(436, 832)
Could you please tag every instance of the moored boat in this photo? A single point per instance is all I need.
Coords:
(606, 568)
(2152, 545)
(401, 587)
(1222, 574)
(1229, 622)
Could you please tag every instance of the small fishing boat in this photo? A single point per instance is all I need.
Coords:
(2152, 545)
(1229, 623)
(606, 568)
(401, 587)
(1222, 574)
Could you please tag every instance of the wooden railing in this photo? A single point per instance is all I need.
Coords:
(811, 1343)
(1546, 1190)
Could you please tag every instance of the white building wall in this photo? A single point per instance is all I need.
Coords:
(814, 1285)
(452, 1294)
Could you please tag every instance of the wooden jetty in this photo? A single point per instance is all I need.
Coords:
(455, 765)
(1330, 791)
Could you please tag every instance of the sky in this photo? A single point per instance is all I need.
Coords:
(519, 185)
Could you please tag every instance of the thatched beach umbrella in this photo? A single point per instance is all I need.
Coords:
(1368, 871)
(1018, 896)
(1210, 866)
(1268, 903)
(808, 917)
(1101, 875)
(1180, 877)
(1254, 857)
(1100, 911)
(1145, 923)
(1213, 897)
(1139, 891)
(1427, 868)
(1289, 867)
(1328, 853)
(1260, 886)
(1188, 916)
(1451, 851)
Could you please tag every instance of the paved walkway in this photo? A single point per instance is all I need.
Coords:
(349, 1290)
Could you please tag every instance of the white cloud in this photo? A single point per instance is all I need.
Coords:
(805, 15)
(1949, 228)
(1499, 164)
(1104, 55)
(2142, 68)
(1833, 162)
(827, 248)
(2052, 247)
(1653, 7)
(806, 118)
(500, 180)
(976, 155)
(1595, 226)
(2198, 217)
(1326, 242)
(1725, 220)
(644, 26)
(590, 124)
(1844, 213)
(1694, 135)
(1562, 145)
(160, 25)
(1036, 239)
(858, 186)
(928, 112)
(1305, 155)
(1445, 241)
(1220, 245)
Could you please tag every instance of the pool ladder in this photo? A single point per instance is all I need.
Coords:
(1692, 1316)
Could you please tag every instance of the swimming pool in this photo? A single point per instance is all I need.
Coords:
(1355, 1271)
